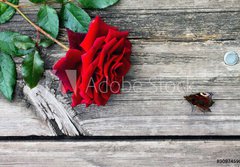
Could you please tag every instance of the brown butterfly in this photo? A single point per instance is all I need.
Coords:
(201, 100)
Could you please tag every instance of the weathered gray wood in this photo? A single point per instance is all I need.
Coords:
(125, 153)
(16, 119)
(46, 105)
(143, 111)
(178, 4)
(169, 54)
(158, 25)
(180, 50)
(133, 113)
(164, 112)
(172, 4)
(176, 69)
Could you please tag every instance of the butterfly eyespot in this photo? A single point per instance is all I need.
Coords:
(204, 94)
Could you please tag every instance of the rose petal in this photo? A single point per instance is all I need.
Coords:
(61, 74)
(117, 49)
(117, 66)
(107, 67)
(128, 44)
(124, 68)
(116, 34)
(87, 78)
(105, 51)
(89, 56)
(102, 94)
(76, 100)
(101, 99)
(97, 29)
(69, 62)
(75, 39)
(118, 70)
(116, 87)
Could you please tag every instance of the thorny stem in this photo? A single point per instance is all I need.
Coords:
(16, 7)
(38, 37)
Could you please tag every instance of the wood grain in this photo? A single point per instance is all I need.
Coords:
(158, 25)
(172, 4)
(125, 153)
(160, 118)
(16, 119)
(145, 110)
(46, 105)
(178, 4)
(134, 113)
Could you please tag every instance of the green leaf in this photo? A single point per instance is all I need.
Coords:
(75, 18)
(97, 4)
(32, 69)
(61, 1)
(9, 45)
(6, 11)
(45, 42)
(38, 1)
(7, 75)
(47, 19)
(23, 42)
(6, 43)
(25, 52)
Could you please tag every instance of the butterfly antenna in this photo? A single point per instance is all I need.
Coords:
(183, 88)
(185, 92)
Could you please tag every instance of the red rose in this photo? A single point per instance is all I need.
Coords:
(100, 59)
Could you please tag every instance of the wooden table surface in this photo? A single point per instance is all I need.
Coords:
(178, 49)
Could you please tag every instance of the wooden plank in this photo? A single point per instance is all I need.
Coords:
(172, 70)
(124, 153)
(161, 112)
(178, 4)
(146, 111)
(202, 36)
(135, 114)
(168, 53)
(158, 25)
(173, 4)
(159, 59)
(162, 118)
(16, 119)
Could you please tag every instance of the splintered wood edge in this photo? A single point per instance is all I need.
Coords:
(51, 111)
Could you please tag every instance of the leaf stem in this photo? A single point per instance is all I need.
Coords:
(16, 7)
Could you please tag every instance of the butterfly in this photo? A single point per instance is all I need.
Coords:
(201, 100)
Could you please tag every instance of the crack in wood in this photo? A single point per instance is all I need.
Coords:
(51, 111)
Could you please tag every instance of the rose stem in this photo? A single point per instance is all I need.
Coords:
(16, 7)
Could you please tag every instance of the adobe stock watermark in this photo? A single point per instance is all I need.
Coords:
(153, 85)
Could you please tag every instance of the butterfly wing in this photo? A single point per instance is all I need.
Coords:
(202, 102)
